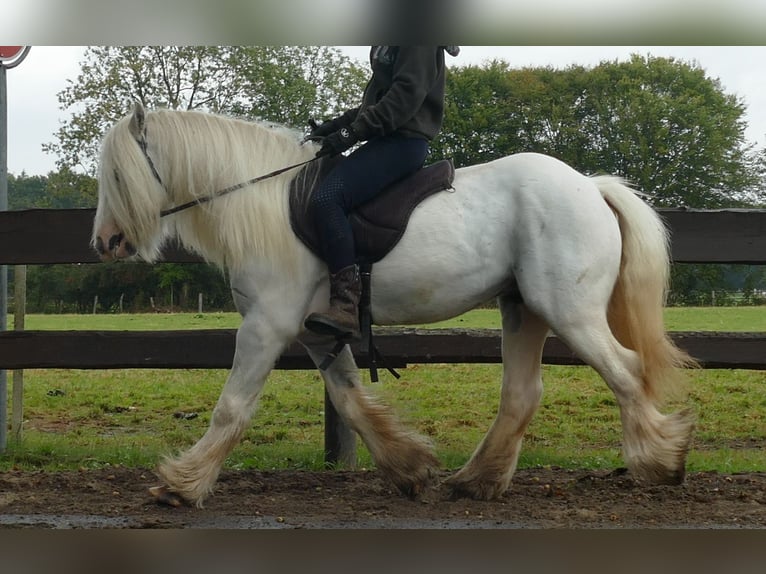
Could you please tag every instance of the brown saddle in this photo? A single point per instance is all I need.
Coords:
(377, 224)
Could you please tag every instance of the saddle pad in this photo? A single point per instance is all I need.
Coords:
(377, 224)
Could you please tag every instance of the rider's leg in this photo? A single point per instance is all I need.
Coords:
(365, 173)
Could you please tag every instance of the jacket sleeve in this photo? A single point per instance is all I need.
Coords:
(347, 117)
(414, 73)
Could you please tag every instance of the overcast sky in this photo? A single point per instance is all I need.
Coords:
(34, 114)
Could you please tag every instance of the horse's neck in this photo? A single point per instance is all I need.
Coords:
(249, 222)
(224, 158)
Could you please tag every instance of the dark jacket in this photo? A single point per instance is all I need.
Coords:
(405, 94)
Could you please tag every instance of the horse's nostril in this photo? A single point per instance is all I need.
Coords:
(114, 241)
(99, 246)
(129, 248)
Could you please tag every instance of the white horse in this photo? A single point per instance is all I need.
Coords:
(588, 258)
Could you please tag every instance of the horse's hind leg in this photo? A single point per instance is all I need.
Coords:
(654, 445)
(405, 457)
(488, 473)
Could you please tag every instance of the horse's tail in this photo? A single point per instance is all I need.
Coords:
(636, 306)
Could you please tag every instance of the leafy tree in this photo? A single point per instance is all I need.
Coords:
(25, 191)
(755, 194)
(64, 189)
(290, 84)
(279, 84)
(478, 123)
(660, 123)
(669, 129)
(67, 190)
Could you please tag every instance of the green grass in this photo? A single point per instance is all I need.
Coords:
(676, 319)
(735, 319)
(732, 319)
(130, 322)
(82, 418)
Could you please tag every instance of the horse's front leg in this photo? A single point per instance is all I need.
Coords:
(190, 476)
(402, 455)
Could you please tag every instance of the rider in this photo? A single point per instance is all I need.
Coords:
(401, 112)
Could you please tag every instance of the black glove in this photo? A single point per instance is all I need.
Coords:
(337, 142)
(319, 131)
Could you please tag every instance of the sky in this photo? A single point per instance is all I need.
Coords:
(34, 114)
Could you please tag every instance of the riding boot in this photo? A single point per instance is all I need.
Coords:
(341, 320)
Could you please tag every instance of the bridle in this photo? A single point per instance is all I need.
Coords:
(201, 200)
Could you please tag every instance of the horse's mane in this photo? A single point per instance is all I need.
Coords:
(196, 155)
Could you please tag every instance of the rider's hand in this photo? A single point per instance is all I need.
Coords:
(320, 131)
(337, 142)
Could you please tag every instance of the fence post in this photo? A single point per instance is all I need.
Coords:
(3, 268)
(199, 304)
(20, 305)
(339, 439)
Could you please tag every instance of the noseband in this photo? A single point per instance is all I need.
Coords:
(199, 201)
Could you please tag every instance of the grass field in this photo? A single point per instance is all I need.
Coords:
(676, 319)
(81, 418)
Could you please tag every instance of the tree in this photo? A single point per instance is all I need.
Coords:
(755, 195)
(25, 191)
(479, 123)
(660, 123)
(670, 130)
(290, 84)
(278, 84)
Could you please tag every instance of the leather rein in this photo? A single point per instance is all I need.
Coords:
(201, 200)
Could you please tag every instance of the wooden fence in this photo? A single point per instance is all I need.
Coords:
(62, 236)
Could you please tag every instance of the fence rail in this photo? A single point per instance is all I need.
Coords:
(214, 349)
(41, 236)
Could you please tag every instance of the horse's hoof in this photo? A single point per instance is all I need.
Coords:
(413, 490)
(475, 489)
(164, 496)
(456, 491)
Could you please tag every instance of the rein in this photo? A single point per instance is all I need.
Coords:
(199, 201)
(226, 190)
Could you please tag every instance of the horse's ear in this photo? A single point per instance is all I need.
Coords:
(137, 120)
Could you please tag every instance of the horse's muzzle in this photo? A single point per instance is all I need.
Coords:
(117, 247)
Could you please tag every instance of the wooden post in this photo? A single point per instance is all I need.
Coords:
(95, 304)
(122, 296)
(20, 309)
(199, 304)
(10, 57)
(339, 439)
(3, 268)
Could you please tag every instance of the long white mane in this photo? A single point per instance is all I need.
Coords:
(197, 154)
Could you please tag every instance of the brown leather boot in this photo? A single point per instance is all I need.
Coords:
(341, 320)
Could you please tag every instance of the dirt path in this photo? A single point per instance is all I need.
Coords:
(539, 498)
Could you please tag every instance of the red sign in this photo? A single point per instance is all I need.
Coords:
(10, 52)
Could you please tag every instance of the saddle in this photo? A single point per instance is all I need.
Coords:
(378, 224)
